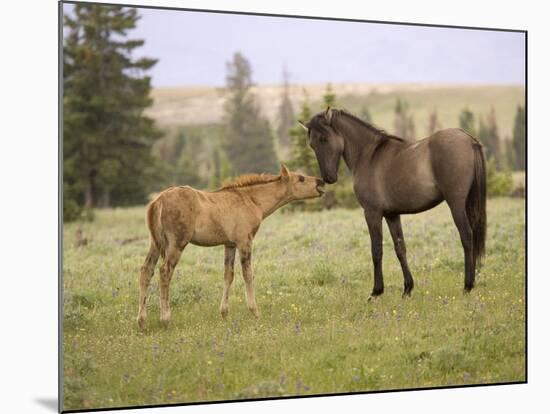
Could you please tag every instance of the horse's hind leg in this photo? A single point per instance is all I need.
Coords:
(173, 253)
(394, 224)
(147, 271)
(245, 252)
(229, 264)
(458, 210)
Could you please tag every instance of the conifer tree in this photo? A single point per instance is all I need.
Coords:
(519, 138)
(403, 122)
(509, 153)
(285, 118)
(329, 98)
(248, 141)
(365, 114)
(107, 139)
(489, 137)
(466, 122)
(303, 157)
(433, 123)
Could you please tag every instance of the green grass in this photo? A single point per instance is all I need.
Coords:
(316, 333)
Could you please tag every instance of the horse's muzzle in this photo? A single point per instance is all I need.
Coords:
(330, 179)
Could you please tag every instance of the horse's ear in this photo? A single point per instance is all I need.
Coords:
(303, 125)
(284, 171)
(328, 115)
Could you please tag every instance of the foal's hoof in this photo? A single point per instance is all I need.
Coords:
(141, 323)
(224, 312)
(165, 322)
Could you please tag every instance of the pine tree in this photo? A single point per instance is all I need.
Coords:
(466, 122)
(365, 114)
(285, 118)
(509, 153)
(489, 137)
(329, 98)
(433, 123)
(303, 157)
(403, 122)
(248, 142)
(106, 138)
(494, 139)
(519, 138)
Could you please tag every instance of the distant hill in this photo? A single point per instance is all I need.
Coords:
(204, 105)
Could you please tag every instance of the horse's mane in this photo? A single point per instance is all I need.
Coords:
(378, 131)
(247, 180)
(317, 123)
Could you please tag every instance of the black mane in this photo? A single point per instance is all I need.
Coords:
(378, 131)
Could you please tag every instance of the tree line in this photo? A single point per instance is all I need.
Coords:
(113, 154)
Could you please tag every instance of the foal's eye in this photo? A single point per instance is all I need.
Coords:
(301, 178)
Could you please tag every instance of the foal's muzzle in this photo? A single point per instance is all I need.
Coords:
(320, 184)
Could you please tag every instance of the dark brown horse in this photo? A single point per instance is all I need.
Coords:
(392, 176)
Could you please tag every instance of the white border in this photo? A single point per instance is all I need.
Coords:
(29, 204)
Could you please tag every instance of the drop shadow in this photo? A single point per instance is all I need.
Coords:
(49, 403)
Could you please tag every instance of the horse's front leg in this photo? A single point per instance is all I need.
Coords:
(374, 223)
(396, 231)
(245, 253)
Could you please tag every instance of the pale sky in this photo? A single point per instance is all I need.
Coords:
(193, 48)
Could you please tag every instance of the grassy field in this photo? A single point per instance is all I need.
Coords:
(316, 334)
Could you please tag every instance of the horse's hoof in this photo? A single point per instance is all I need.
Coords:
(375, 293)
(372, 298)
(406, 294)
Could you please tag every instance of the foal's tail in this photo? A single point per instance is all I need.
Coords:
(153, 218)
(476, 203)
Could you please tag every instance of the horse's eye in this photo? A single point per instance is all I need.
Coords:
(323, 139)
(301, 178)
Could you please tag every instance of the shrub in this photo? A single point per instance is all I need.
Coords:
(499, 183)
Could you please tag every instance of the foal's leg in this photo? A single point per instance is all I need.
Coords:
(458, 210)
(374, 223)
(394, 224)
(147, 271)
(229, 264)
(245, 252)
(173, 254)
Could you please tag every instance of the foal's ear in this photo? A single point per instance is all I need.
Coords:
(303, 125)
(328, 115)
(284, 171)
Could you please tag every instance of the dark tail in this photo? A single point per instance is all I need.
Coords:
(154, 211)
(476, 203)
